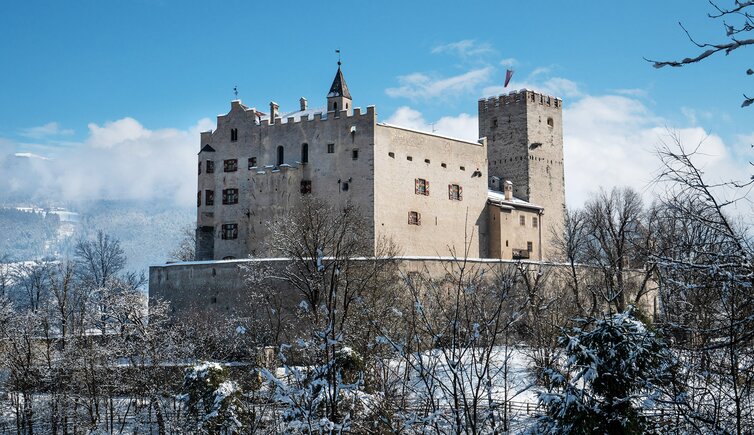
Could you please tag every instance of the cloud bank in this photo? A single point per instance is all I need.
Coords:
(117, 160)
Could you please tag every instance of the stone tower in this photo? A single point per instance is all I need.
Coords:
(339, 98)
(524, 132)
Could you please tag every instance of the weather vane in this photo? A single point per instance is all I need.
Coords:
(338, 51)
(235, 90)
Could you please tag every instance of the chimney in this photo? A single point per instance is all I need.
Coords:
(273, 111)
(508, 190)
(302, 101)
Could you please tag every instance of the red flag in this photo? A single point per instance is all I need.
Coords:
(508, 76)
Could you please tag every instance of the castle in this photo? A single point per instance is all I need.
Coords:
(502, 197)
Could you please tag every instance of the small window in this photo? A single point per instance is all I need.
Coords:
(344, 186)
(233, 134)
(252, 162)
(522, 220)
(210, 166)
(494, 122)
(409, 158)
(421, 186)
(426, 161)
(443, 165)
(229, 231)
(550, 122)
(281, 155)
(209, 197)
(455, 192)
(305, 153)
(230, 196)
(335, 106)
(199, 198)
(529, 246)
(330, 148)
(534, 222)
(391, 155)
(414, 218)
(200, 168)
(213, 300)
(306, 186)
(230, 165)
(355, 154)
(463, 168)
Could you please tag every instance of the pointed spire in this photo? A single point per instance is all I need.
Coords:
(339, 87)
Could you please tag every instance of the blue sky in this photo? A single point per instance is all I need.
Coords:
(105, 75)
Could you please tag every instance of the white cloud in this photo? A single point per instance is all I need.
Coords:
(48, 130)
(509, 62)
(419, 85)
(463, 126)
(465, 48)
(118, 160)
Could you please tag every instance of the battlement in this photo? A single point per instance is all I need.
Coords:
(524, 96)
(259, 119)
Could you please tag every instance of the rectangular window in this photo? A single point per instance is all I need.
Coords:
(200, 168)
(421, 186)
(534, 222)
(230, 196)
(306, 186)
(210, 166)
(522, 220)
(209, 197)
(414, 218)
(199, 198)
(355, 154)
(455, 192)
(529, 246)
(230, 165)
(233, 134)
(252, 162)
(344, 186)
(330, 148)
(230, 231)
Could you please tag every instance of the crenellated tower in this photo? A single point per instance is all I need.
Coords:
(524, 132)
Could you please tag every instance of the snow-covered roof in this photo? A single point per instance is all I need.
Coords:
(498, 197)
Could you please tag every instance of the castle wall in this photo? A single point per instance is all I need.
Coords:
(524, 133)
(446, 224)
(269, 189)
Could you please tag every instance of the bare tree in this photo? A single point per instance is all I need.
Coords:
(99, 259)
(185, 251)
(738, 22)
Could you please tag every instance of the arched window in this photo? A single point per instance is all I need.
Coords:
(305, 153)
(281, 155)
(335, 106)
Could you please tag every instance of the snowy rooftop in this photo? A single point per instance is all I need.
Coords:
(385, 124)
(498, 197)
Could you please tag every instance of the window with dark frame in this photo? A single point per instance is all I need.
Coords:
(230, 165)
(330, 148)
(230, 196)
(522, 220)
(209, 197)
(529, 246)
(534, 222)
(252, 162)
(414, 218)
(421, 186)
(306, 186)
(210, 166)
(455, 192)
(305, 153)
(229, 231)
(233, 134)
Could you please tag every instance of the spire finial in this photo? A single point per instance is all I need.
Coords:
(338, 51)
(235, 91)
